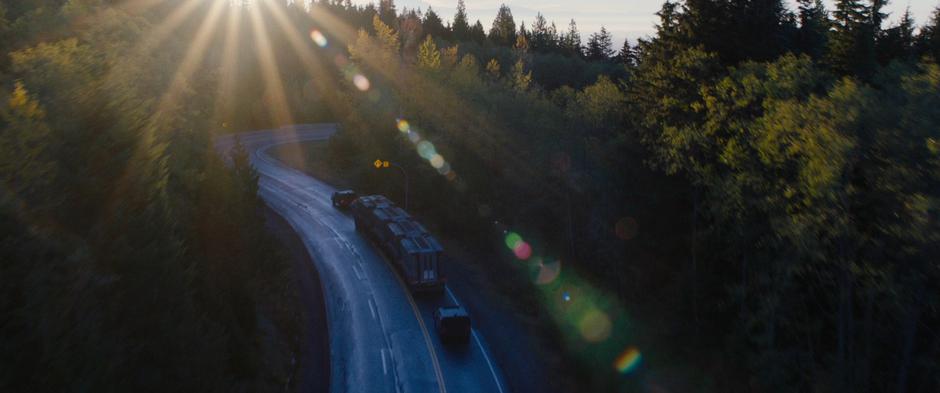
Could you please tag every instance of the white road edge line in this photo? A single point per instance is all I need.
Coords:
(479, 344)
(384, 367)
(356, 270)
(372, 309)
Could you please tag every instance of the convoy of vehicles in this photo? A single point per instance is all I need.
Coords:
(414, 251)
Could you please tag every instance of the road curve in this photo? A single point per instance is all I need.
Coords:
(382, 338)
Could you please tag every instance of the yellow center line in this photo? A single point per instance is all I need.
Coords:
(424, 330)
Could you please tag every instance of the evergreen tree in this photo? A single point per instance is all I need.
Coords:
(600, 46)
(762, 30)
(814, 28)
(503, 32)
(928, 40)
(706, 23)
(543, 36)
(387, 13)
(571, 41)
(433, 25)
(852, 39)
(477, 33)
(461, 25)
(627, 55)
(897, 42)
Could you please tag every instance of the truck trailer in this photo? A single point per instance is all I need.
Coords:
(407, 244)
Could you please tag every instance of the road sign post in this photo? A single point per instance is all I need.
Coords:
(380, 164)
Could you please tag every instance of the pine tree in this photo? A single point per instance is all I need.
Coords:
(852, 39)
(523, 33)
(477, 33)
(928, 40)
(433, 25)
(814, 28)
(543, 38)
(897, 42)
(387, 12)
(503, 32)
(763, 30)
(461, 26)
(627, 55)
(600, 46)
(571, 41)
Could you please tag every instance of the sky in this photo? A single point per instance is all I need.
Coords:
(623, 18)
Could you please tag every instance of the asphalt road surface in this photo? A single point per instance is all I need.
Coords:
(382, 338)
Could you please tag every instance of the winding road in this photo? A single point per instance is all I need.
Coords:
(382, 338)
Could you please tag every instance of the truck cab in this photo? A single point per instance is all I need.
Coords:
(342, 199)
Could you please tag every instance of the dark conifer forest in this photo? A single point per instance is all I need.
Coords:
(750, 195)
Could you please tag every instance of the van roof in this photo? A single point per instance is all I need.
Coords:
(453, 311)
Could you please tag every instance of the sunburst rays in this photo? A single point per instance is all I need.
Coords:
(279, 110)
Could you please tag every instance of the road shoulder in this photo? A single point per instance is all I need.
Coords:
(312, 370)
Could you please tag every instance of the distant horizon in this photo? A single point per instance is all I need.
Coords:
(623, 19)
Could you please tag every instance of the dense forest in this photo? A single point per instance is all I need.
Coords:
(132, 258)
(747, 200)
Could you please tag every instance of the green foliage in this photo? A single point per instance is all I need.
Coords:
(503, 31)
(25, 159)
(851, 48)
(461, 25)
(433, 25)
(133, 258)
(928, 40)
(600, 46)
(791, 238)
(814, 28)
(521, 79)
(810, 185)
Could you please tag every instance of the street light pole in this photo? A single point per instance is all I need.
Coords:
(405, 174)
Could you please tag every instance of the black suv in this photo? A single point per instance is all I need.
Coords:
(453, 324)
(343, 199)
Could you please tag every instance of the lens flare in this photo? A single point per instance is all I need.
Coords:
(628, 361)
(595, 326)
(426, 150)
(444, 169)
(403, 126)
(414, 137)
(437, 161)
(566, 296)
(547, 272)
(512, 240)
(523, 250)
(319, 38)
(361, 82)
